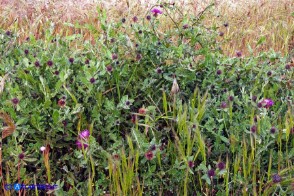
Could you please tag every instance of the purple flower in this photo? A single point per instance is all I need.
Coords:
(114, 56)
(231, 98)
(288, 66)
(254, 98)
(71, 60)
(267, 103)
(219, 72)
(223, 105)
(109, 68)
(37, 64)
(221, 33)
(156, 11)
(21, 155)
(153, 147)
(15, 101)
(158, 70)
(238, 53)
(79, 144)
(185, 26)
(26, 51)
(49, 63)
(84, 134)
(92, 80)
(277, 178)
(273, 130)
(253, 129)
(221, 165)
(135, 19)
(87, 61)
(191, 164)
(148, 17)
(149, 155)
(211, 173)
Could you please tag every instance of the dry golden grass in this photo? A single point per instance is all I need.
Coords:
(248, 21)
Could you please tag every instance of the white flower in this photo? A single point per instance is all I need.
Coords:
(43, 148)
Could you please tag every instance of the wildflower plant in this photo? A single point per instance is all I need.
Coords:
(140, 110)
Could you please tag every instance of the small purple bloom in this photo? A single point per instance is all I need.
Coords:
(92, 80)
(26, 51)
(49, 63)
(153, 147)
(56, 72)
(87, 61)
(238, 53)
(79, 144)
(223, 105)
(221, 165)
(37, 64)
(114, 56)
(219, 72)
(84, 134)
(15, 101)
(273, 130)
(135, 19)
(254, 98)
(185, 26)
(148, 17)
(109, 68)
(231, 98)
(288, 67)
(211, 173)
(269, 73)
(267, 103)
(221, 34)
(71, 60)
(277, 178)
(253, 129)
(158, 70)
(191, 164)
(21, 155)
(156, 11)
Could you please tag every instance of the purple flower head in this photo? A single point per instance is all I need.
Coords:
(135, 19)
(149, 155)
(238, 53)
(156, 11)
(21, 155)
(277, 178)
(273, 130)
(71, 60)
(84, 134)
(223, 105)
(37, 64)
(191, 164)
(211, 173)
(15, 101)
(221, 165)
(109, 68)
(50, 63)
(253, 129)
(92, 80)
(219, 72)
(79, 144)
(185, 26)
(114, 56)
(267, 103)
(148, 17)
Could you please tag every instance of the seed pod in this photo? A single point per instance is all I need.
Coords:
(175, 88)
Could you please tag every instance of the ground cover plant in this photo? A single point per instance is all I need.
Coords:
(141, 111)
